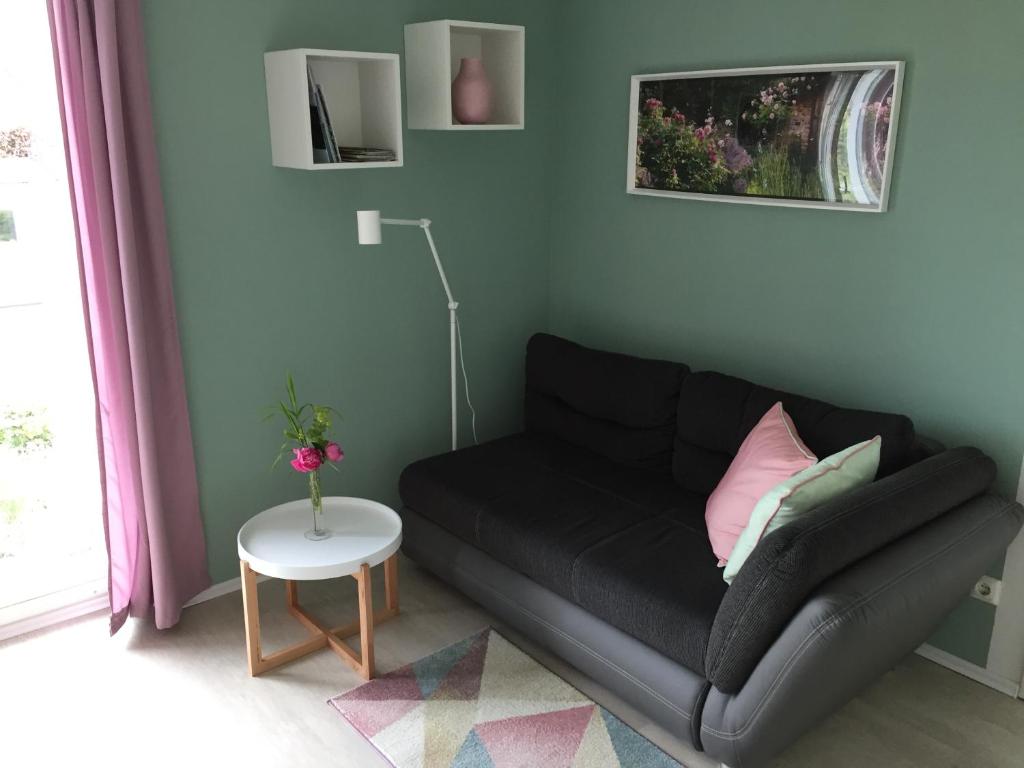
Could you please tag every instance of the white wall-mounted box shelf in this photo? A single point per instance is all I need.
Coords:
(363, 93)
(433, 51)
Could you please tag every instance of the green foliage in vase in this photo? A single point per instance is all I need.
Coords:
(306, 432)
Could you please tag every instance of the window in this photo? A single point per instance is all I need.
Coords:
(51, 530)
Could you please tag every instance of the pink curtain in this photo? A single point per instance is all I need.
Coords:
(151, 503)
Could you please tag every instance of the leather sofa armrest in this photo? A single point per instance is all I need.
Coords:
(855, 627)
(789, 564)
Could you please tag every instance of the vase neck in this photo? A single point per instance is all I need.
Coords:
(471, 66)
(314, 490)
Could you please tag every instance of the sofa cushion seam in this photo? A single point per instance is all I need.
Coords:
(590, 547)
(558, 400)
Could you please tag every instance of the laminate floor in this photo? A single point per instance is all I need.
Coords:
(183, 697)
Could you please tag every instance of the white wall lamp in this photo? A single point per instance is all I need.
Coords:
(368, 224)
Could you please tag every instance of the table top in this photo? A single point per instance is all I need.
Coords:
(362, 531)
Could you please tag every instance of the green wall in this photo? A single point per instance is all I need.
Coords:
(916, 310)
(268, 275)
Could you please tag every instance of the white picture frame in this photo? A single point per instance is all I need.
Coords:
(840, 93)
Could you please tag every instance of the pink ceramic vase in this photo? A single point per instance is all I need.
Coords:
(471, 93)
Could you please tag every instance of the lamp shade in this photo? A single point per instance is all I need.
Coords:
(368, 223)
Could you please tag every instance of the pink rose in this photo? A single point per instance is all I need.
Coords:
(334, 452)
(306, 459)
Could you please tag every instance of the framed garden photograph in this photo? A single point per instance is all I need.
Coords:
(818, 136)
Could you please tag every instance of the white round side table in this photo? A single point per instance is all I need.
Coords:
(364, 533)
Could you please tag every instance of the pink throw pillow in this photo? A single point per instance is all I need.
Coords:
(771, 453)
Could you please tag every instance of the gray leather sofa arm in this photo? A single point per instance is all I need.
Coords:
(853, 628)
(789, 564)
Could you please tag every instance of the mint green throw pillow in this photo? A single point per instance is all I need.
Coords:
(803, 492)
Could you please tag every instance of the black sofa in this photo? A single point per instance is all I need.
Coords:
(586, 532)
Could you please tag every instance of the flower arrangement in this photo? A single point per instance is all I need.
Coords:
(306, 434)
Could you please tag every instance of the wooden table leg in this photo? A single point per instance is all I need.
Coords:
(251, 608)
(365, 620)
(391, 584)
(322, 636)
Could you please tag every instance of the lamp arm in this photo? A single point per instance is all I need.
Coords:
(424, 224)
(453, 322)
(452, 303)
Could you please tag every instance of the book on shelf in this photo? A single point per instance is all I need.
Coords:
(329, 138)
(325, 149)
(367, 155)
(325, 143)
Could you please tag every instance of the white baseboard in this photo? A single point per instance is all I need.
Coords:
(97, 603)
(967, 669)
(220, 589)
(1006, 649)
(44, 619)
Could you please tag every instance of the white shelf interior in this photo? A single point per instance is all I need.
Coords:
(434, 51)
(363, 96)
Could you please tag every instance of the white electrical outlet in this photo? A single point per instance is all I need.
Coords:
(987, 590)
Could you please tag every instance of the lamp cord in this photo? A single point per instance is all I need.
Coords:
(465, 380)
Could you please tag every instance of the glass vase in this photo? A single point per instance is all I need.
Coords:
(318, 532)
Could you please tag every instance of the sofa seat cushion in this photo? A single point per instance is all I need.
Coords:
(654, 490)
(657, 581)
(543, 526)
(535, 503)
(451, 488)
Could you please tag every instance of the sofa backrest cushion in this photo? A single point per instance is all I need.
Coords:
(791, 562)
(619, 406)
(716, 412)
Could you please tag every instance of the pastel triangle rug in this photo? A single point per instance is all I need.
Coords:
(483, 703)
